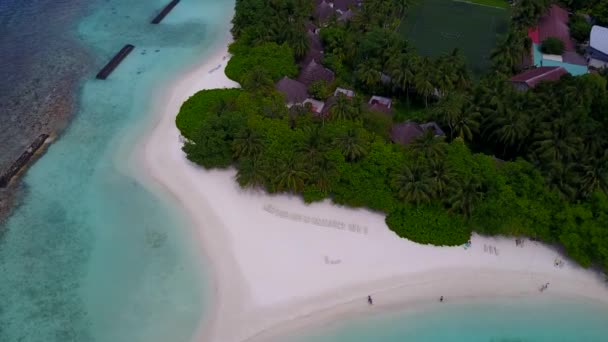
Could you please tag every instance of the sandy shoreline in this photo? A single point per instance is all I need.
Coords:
(280, 265)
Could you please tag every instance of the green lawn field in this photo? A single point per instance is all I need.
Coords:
(493, 3)
(435, 27)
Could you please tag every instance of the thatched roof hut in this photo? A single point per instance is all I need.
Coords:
(313, 72)
(295, 92)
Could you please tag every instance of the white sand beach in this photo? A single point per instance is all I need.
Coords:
(280, 265)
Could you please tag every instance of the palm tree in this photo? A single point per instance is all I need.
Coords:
(460, 77)
(400, 7)
(351, 144)
(458, 113)
(444, 75)
(594, 175)
(247, 143)
(413, 184)
(508, 126)
(466, 195)
(527, 12)
(466, 124)
(223, 106)
(510, 52)
(299, 41)
(251, 173)
(311, 146)
(401, 69)
(556, 141)
(291, 176)
(562, 178)
(342, 109)
(423, 80)
(367, 72)
(429, 145)
(323, 171)
(258, 80)
(358, 106)
(441, 176)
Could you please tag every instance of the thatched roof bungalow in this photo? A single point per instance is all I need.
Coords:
(406, 132)
(295, 92)
(323, 11)
(313, 72)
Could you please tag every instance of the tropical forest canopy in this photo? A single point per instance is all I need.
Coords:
(512, 163)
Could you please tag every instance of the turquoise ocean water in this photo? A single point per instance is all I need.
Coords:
(501, 320)
(90, 254)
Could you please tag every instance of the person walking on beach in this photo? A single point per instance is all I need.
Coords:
(369, 300)
(441, 299)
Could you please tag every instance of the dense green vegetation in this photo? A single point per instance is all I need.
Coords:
(192, 112)
(552, 46)
(275, 61)
(598, 9)
(549, 183)
(580, 29)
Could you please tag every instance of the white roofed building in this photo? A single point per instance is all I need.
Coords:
(597, 54)
(315, 105)
(347, 92)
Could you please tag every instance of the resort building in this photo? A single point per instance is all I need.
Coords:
(343, 6)
(406, 132)
(555, 24)
(295, 92)
(346, 16)
(380, 104)
(316, 106)
(315, 46)
(323, 12)
(348, 93)
(313, 72)
(382, 101)
(597, 53)
(531, 78)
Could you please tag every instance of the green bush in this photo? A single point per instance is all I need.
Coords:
(552, 46)
(428, 225)
(276, 60)
(580, 29)
(211, 145)
(319, 90)
(199, 105)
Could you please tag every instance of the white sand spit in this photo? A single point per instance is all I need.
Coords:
(280, 264)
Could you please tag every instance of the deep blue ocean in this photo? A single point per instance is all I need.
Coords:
(90, 254)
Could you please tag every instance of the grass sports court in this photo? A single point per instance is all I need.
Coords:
(435, 27)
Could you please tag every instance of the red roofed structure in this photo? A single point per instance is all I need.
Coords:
(553, 24)
(534, 35)
(531, 78)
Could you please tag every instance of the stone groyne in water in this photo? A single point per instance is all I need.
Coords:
(23, 161)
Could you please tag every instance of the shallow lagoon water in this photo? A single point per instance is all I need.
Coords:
(91, 254)
(540, 319)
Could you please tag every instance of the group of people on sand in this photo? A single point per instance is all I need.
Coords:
(370, 301)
